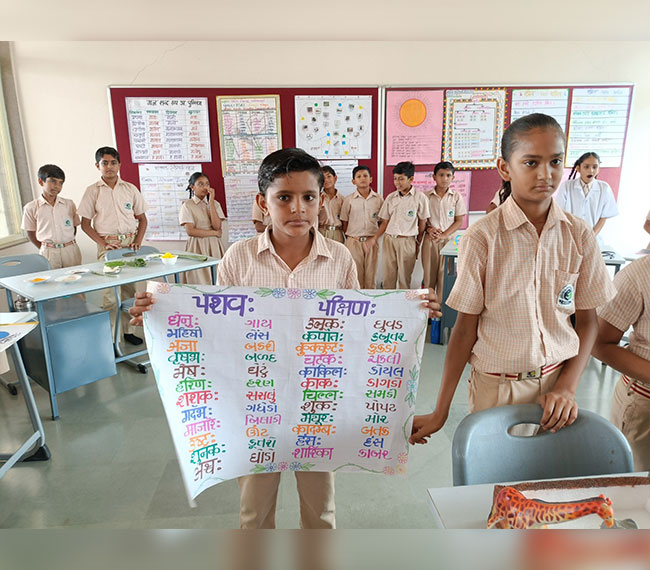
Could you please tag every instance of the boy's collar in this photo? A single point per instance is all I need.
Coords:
(319, 246)
(42, 199)
(513, 215)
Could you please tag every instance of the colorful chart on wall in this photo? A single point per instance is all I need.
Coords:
(598, 124)
(414, 126)
(462, 183)
(166, 129)
(164, 187)
(343, 169)
(473, 127)
(339, 126)
(249, 129)
(553, 102)
(240, 195)
(314, 380)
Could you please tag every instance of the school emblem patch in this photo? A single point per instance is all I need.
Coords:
(374, 215)
(565, 298)
(411, 213)
(450, 213)
(68, 223)
(128, 206)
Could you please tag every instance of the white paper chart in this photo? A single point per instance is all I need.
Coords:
(553, 102)
(240, 194)
(598, 123)
(343, 169)
(249, 129)
(165, 129)
(473, 127)
(164, 187)
(334, 126)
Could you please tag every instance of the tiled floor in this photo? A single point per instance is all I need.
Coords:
(113, 464)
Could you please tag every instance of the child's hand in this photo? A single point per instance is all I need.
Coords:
(431, 304)
(560, 410)
(143, 302)
(111, 245)
(369, 243)
(424, 426)
(210, 194)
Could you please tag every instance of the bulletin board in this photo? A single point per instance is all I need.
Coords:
(213, 167)
(417, 124)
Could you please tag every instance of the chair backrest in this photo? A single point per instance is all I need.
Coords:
(115, 254)
(12, 265)
(484, 452)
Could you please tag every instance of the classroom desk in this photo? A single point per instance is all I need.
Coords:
(450, 254)
(43, 292)
(34, 448)
(468, 506)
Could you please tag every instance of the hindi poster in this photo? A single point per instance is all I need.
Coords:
(598, 124)
(553, 102)
(473, 127)
(249, 129)
(336, 126)
(240, 195)
(262, 380)
(166, 129)
(414, 126)
(164, 187)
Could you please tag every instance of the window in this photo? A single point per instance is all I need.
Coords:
(10, 203)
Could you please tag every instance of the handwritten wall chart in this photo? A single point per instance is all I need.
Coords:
(473, 127)
(164, 187)
(249, 129)
(553, 102)
(343, 169)
(598, 124)
(334, 127)
(163, 129)
(257, 380)
(240, 195)
(414, 126)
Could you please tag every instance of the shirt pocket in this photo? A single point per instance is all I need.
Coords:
(564, 291)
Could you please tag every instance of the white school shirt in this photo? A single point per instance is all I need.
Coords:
(598, 203)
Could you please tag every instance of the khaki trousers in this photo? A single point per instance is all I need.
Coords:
(486, 391)
(366, 262)
(631, 414)
(336, 235)
(398, 261)
(126, 291)
(259, 494)
(60, 257)
(432, 264)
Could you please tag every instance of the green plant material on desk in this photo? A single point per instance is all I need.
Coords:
(192, 257)
(137, 262)
(118, 263)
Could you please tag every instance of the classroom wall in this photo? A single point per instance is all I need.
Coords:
(64, 103)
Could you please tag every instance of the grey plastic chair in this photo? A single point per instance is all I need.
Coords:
(484, 452)
(126, 304)
(13, 265)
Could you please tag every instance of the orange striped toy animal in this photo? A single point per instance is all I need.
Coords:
(511, 509)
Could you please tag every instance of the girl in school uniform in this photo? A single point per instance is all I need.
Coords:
(202, 218)
(523, 270)
(585, 196)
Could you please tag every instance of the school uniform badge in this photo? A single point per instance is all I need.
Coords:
(411, 213)
(128, 206)
(565, 298)
(68, 223)
(450, 214)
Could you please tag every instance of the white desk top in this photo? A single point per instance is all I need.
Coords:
(91, 282)
(468, 507)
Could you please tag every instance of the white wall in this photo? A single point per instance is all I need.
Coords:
(64, 103)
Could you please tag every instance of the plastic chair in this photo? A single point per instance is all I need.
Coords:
(126, 304)
(13, 265)
(484, 452)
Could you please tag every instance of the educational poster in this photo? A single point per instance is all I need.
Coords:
(164, 187)
(165, 129)
(473, 127)
(240, 195)
(249, 129)
(553, 102)
(343, 169)
(260, 380)
(598, 124)
(339, 126)
(414, 126)
(462, 183)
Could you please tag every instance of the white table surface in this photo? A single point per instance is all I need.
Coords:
(468, 506)
(91, 282)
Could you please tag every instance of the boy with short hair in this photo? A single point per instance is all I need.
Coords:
(116, 209)
(51, 221)
(329, 217)
(447, 209)
(403, 217)
(359, 214)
